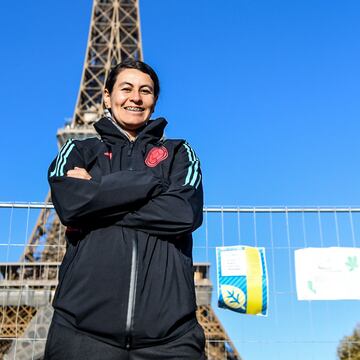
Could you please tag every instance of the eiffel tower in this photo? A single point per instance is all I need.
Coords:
(27, 286)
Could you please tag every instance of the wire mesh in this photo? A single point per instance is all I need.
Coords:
(292, 330)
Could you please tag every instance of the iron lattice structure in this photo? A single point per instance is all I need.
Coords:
(114, 36)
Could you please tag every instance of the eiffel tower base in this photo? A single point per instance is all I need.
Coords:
(32, 343)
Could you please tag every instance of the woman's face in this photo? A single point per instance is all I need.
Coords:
(132, 99)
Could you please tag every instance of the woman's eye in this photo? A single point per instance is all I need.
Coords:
(146, 91)
(126, 89)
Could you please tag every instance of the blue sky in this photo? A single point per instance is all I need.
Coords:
(267, 92)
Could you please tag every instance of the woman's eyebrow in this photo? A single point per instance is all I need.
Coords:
(146, 85)
(126, 83)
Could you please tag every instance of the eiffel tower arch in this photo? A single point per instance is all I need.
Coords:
(26, 311)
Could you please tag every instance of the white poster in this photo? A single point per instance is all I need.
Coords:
(328, 273)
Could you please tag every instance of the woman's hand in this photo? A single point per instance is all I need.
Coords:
(78, 173)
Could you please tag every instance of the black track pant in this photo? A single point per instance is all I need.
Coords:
(64, 343)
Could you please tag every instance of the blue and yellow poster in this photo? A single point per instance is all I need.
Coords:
(242, 279)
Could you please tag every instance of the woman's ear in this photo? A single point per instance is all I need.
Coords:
(107, 99)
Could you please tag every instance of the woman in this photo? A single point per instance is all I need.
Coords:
(130, 201)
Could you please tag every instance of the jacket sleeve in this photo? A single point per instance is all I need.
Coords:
(78, 201)
(178, 210)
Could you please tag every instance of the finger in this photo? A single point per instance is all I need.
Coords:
(79, 174)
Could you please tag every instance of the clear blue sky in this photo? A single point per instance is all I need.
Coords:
(267, 92)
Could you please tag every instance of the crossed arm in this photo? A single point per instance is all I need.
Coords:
(78, 173)
(134, 199)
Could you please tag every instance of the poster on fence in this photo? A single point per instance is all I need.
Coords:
(242, 280)
(328, 273)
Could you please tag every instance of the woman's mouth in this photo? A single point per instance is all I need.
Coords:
(134, 108)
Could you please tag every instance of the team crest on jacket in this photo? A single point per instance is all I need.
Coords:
(108, 154)
(156, 155)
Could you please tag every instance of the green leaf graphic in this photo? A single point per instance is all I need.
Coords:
(352, 263)
(310, 286)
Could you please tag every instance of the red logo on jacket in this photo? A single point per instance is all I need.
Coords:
(156, 155)
(108, 154)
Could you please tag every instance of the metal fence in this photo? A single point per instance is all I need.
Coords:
(292, 330)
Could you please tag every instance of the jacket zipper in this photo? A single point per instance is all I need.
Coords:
(132, 293)
(133, 280)
(131, 147)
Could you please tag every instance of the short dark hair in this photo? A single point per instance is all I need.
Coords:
(132, 64)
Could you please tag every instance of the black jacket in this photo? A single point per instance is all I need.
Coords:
(127, 275)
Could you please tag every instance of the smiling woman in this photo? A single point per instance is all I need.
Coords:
(131, 94)
(131, 201)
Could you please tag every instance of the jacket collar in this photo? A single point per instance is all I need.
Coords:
(110, 132)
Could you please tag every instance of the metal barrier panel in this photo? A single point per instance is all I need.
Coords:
(293, 329)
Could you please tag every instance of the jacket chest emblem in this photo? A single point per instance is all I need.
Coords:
(108, 154)
(156, 155)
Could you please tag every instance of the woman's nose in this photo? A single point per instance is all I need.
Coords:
(135, 96)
